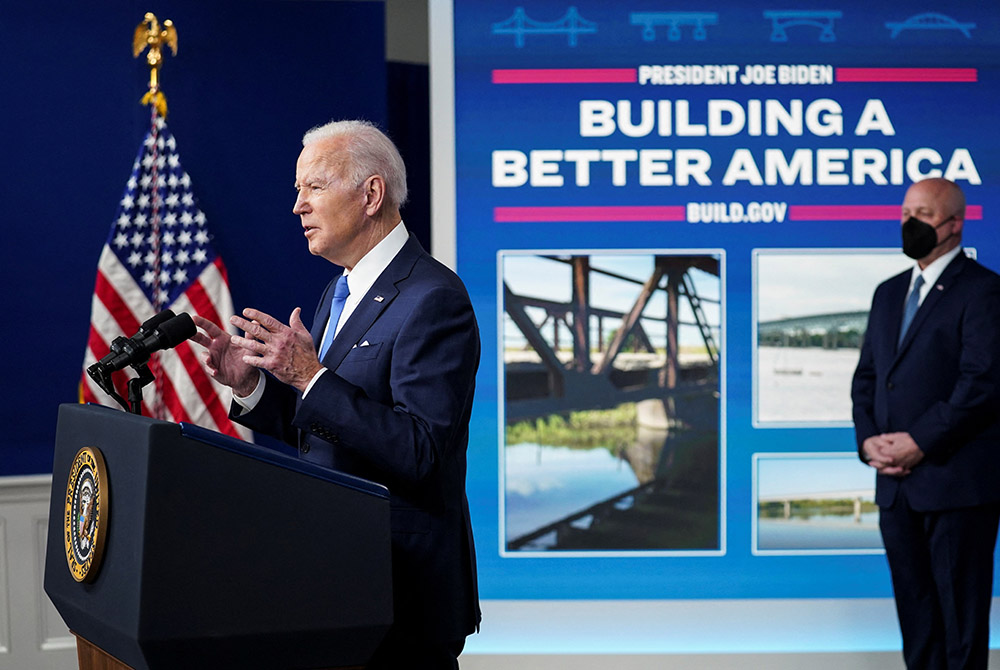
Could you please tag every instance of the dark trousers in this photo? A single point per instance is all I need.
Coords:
(401, 650)
(942, 579)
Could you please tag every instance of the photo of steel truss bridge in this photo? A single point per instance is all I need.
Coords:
(611, 400)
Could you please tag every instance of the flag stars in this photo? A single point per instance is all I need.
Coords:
(162, 256)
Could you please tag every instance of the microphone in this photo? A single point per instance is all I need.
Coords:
(162, 331)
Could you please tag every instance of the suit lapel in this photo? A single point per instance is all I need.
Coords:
(374, 302)
(937, 291)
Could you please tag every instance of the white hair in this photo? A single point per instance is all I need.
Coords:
(369, 151)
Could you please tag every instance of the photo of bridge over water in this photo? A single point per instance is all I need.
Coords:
(810, 314)
(611, 368)
(814, 503)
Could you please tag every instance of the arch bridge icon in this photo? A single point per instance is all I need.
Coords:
(929, 21)
(781, 20)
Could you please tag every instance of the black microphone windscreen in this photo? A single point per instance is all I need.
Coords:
(176, 330)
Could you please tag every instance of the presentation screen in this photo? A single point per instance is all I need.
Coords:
(671, 222)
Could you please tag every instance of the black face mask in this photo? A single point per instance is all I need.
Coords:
(920, 238)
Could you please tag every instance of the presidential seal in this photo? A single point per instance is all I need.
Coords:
(86, 524)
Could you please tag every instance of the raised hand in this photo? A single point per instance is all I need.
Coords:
(224, 359)
(286, 351)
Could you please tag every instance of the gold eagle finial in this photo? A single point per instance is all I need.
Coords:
(148, 33)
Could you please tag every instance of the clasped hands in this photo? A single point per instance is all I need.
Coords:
(894, 454)
(286, 351)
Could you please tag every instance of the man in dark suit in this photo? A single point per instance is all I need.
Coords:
(382, 388)
(927, 417)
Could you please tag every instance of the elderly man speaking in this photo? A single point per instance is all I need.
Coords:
(381, 388)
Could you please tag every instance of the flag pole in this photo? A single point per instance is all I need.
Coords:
(150, 34)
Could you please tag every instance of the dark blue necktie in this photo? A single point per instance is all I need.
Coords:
(340, 293)
(912, 304)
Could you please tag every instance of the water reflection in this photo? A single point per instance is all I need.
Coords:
(819, 531)
(545, 484)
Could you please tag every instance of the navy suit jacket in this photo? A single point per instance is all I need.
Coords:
(394, 407)
(941, 385)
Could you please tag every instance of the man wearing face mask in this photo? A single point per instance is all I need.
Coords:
(926, 396)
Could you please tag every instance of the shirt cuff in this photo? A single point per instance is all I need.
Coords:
(250, 401)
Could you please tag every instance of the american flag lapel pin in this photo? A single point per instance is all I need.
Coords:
(940, 287)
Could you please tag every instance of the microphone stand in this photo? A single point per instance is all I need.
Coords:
(134, 405)
(135, 387)
(103, 378)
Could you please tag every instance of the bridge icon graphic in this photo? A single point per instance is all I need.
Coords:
(929, 21)
(784, 19)
(520, 24)
(674, 21)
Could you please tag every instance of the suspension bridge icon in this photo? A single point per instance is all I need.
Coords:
(929, 21)
(674, 21)
(520, 24)
(781, 20)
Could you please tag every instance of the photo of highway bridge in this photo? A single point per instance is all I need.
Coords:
(814, 503)
(611, 368)
(810, 314)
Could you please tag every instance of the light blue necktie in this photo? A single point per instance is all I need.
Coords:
(912, 304)
(340, 293)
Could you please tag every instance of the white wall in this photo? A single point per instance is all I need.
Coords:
(32, 635)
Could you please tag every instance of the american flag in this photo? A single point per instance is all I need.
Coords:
(159, 256)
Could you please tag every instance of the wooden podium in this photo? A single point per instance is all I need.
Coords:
(216, 553)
